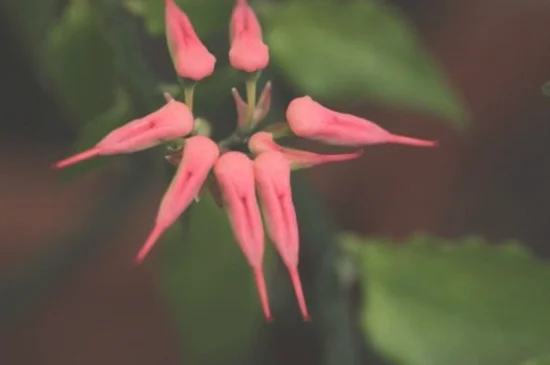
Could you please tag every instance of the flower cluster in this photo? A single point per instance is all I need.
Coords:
(242, 179)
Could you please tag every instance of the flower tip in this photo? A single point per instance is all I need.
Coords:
(297, 283)
(262, 292)
(92, 152)
(167, 96)
(412, 141)
(149, 243)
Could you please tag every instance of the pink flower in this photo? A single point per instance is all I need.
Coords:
(309, 119)
(235, 174)
(272, 171)
(172, 121)
(199, 156)
(261, 142)
(248, 51)
(191, 58)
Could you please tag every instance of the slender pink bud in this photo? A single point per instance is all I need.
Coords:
(309, 119)
(199, 156)
(191, 58)
(241, 107)
(172, 121)
(261, 142)
(261, 110)
(235, 174)
(264, 103)
(272, 172)
(248, 51)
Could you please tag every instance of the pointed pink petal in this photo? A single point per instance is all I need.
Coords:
(199, 155)
(149, 243)
(92, 152)
(235, 175)
(190, 57)
(263, 142)
(262, 292)
(234, 172)
(309, 119)
(248, 52)
(306, 159)
(173, 120)
(272, 173)
(394, 138)
(297, 283)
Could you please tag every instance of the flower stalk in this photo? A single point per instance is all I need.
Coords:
(250, 100)
(189, 91)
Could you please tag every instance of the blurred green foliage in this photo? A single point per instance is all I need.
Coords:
(540, 361)
(430, 301)
(362, 49)
(32, 26)
(207, 16)
(546, 88)
(210, 286)
(80, 63)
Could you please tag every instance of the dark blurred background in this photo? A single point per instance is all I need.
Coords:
(492, 179)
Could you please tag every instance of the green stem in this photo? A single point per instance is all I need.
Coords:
(189, 92)
(250, 99)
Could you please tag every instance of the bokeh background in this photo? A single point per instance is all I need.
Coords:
(69, 293)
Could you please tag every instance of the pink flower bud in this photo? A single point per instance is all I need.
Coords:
(235, 174)
(248, 51)
(309, 119)
(172, 121)
(199, 156)
(272, 172)
(261, 142)
(191, 58)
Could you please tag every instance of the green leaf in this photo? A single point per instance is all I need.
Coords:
(97, 128)
(209, 286)
(80, 63)
(362, 49)
(207, 16)
(430, 302)
(546, 88)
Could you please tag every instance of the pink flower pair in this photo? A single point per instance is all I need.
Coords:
(238, 176)
(192, 59)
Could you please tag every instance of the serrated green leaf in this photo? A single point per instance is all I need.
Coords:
(209, 286)
(433, 302)
(331, 51)
(80, 63)
(207, 16)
